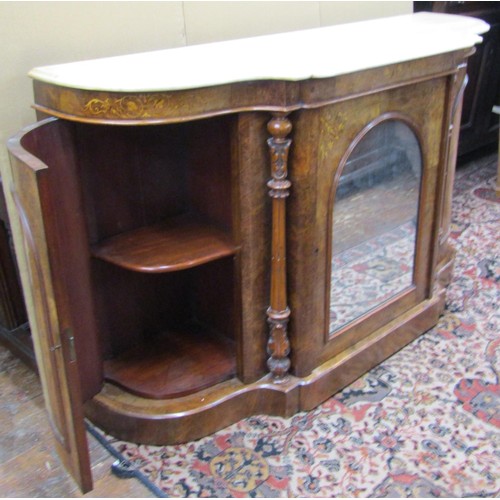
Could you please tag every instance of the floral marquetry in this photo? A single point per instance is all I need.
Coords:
(141, 106)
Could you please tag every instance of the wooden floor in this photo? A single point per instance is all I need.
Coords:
(29, 466)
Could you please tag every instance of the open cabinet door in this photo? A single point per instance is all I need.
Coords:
(26, 188)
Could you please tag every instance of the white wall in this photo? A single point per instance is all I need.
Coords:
(41, 33)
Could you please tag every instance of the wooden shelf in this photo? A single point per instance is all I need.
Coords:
(176, 244)
(173, 364)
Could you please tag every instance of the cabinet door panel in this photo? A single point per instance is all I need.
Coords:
(25, 186)
(317, 167)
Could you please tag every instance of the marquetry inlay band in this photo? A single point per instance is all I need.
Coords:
(141, 106)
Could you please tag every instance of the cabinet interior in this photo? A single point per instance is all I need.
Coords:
(158, 217)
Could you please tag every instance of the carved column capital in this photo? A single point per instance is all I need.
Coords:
(279, 127)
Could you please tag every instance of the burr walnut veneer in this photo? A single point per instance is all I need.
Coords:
(245, 227)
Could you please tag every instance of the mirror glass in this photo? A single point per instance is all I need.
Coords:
(375, 222)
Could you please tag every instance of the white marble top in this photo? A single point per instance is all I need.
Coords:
(299, 55)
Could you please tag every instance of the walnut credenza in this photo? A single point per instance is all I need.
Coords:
(245, 227)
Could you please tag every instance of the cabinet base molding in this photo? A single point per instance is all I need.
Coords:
(174, 421)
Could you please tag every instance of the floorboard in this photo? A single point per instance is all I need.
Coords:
(29, 466)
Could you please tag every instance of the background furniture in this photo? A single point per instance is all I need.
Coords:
(14, 329)
(201, 244)
(478, 127)
(496, 110)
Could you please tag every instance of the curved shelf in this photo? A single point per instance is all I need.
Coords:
(176, 244)
(173, 364)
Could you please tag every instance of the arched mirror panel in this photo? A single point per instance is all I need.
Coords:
(375, 212)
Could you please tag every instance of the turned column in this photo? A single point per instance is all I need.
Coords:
(278, 313)
(446, 251)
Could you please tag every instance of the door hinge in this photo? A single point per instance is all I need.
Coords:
(68, 333)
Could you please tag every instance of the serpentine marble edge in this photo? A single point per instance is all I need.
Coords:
(314, 53)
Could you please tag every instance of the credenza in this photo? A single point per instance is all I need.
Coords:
(215, 231)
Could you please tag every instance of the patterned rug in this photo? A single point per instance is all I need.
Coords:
(370, 273)
(425, 423)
